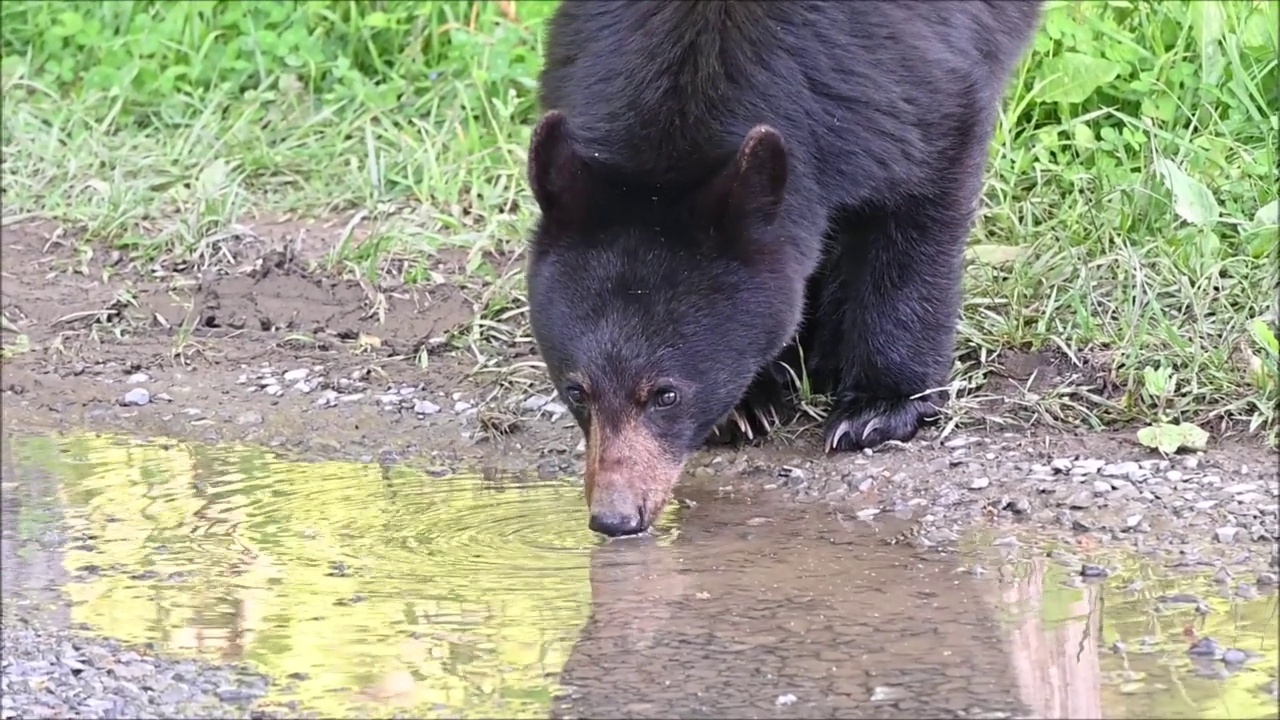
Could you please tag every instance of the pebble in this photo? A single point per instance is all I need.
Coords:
(979, 483)
(296, 375)
(1234, 656)
(425, 407)
(1227, 534)
(1102, 487)
(534, 402)
(1081, 500)
(50, 672)
(137, 397)
(1119, 469)
(249, 418)
(328, 398)
(1087, 467)
(139, 379)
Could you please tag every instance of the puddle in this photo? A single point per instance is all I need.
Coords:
(379, 591)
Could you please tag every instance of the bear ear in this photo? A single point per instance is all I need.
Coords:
(752, 188)
(557, 174)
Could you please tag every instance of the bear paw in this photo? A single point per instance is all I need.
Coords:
(857, 422)
(747, 423)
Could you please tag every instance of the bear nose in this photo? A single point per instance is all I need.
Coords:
(615, 524)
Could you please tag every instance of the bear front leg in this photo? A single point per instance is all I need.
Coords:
(899, 276)
(768, 403)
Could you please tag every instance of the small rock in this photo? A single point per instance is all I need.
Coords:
(883, 693)
(1101, 487)
(328, 398)
(137, 397)
(1174, 476)
(303, 387)
(1204, 647)
(1226, 534)
(1133, 520)
(1266, 578)
(1081, 500)
(534, 403)
(1246, 592)
(461, 406)
(555, 409)
(785, 700)
(296, 375)
(139, 379)
(1086, 467)
(425, 407)
(1234, 656)
(274, 390)
(791, 473)
(1060, 465)
(1093, 571)
(1119, 469)
(1240, 488)
(249, 418)
(979, 483)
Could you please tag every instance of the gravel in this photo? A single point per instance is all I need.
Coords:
(54, 673)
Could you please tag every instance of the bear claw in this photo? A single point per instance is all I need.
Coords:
(856, 423)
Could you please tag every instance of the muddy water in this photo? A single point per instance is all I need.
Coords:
(378, 591)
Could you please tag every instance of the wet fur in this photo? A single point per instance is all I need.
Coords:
(884, 112)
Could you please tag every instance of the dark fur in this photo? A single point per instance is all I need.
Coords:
(655, 263)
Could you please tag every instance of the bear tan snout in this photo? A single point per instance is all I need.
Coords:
(629, 478)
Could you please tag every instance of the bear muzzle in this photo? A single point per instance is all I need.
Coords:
(629, 479)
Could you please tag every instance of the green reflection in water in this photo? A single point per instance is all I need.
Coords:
(455, 596)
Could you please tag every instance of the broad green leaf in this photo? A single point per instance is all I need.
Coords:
(1267, 216)
(1191, 199)
(1072, 77)
(1264, 336)
(212, 179)
(1169, 438)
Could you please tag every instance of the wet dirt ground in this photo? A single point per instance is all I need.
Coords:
(870, 577)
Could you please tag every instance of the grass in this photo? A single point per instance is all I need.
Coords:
(1130, 224)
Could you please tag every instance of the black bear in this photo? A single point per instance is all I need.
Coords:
(736, 194)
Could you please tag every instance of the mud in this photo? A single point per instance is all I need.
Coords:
(254, 345)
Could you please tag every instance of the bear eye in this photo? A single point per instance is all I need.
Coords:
(666, 398)
(575, 395)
